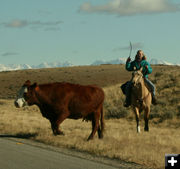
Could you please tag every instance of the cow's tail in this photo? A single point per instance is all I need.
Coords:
(102, 123)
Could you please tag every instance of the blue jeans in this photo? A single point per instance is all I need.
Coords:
(151, 85)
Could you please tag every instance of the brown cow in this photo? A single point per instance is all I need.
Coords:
(58, 101)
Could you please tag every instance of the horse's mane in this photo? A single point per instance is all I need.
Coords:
(142, 92)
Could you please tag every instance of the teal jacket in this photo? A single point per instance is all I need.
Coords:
(130, 67)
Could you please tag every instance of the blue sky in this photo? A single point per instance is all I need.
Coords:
(82, 31)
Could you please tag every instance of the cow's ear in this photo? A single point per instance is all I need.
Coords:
(27, 83)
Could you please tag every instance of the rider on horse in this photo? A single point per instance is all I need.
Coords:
(140, 61)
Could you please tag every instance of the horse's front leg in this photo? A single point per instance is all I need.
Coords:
(136, 111)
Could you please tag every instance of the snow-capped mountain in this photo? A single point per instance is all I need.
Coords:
(11, 67)
(116, 61)
(52, 65)
(123, 61)
(159, 62)
(14, 67)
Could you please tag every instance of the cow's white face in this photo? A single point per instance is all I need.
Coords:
(20, 100)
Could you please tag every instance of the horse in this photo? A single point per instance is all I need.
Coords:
(140, 98)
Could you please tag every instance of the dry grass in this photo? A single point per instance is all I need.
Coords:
(121, 140)
(113, 105)
(103, 75)
(167, 81)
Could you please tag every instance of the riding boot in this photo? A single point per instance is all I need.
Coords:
(154, 100)
(128, 98)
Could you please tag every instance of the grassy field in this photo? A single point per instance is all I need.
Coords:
(104, 75)
(121, 140)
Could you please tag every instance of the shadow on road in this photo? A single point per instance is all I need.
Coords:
(19, 135)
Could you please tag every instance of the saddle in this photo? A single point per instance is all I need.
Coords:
(123, 87)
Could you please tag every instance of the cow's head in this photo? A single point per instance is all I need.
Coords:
(26, 95)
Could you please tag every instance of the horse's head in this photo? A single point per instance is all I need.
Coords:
(137, 77)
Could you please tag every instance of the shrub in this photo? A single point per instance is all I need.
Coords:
(114, 112)
(173, 78)
(155, 112)
(175, 100)
(158, 74)
(178, 111)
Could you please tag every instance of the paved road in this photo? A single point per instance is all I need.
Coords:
(17, 155)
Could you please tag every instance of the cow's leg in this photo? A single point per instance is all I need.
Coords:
(146, 118)
(101, 127)
(95, 125)
(55, 124)
(99, 132)
(136, 111)
(55, 128)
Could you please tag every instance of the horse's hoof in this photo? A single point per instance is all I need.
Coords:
(89, 138)
(146, 129)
